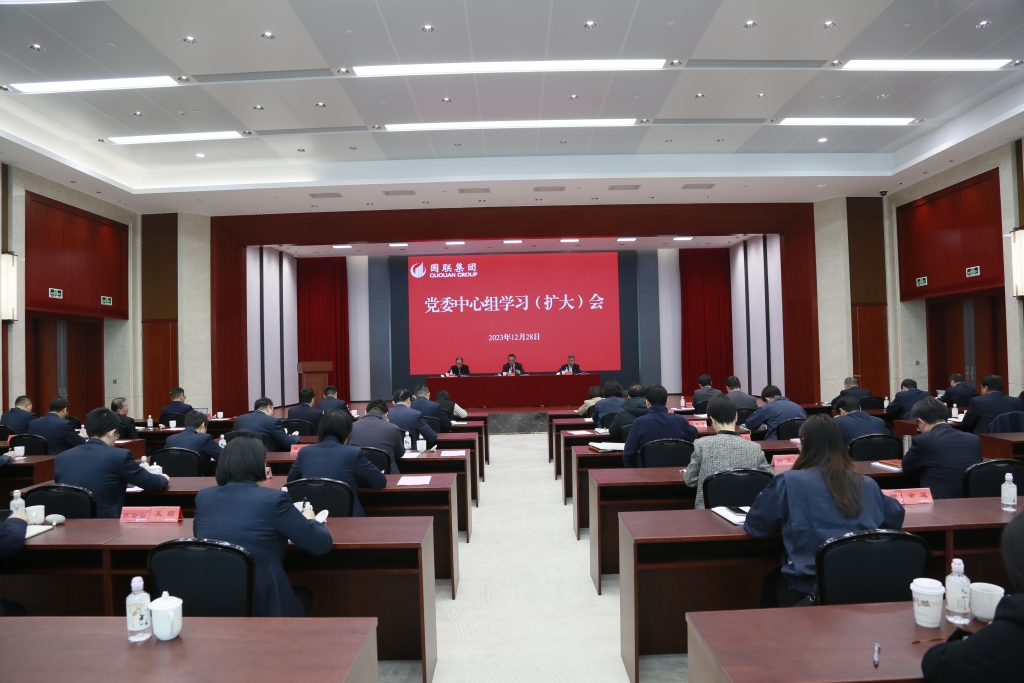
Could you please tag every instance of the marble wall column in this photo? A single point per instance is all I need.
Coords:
(832, 267)
(195, 358)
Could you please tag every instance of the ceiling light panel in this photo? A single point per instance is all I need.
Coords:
(98, 84)
(174, 137)
(498, 125)
(841, 121)
(546, 66)
(925, 64)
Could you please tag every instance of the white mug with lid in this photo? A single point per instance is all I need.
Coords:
(165, 614)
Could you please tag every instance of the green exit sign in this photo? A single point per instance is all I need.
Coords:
(106, 301)
(56, 293)
(922, 282)
(974, 271)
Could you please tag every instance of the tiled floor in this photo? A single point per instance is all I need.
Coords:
(527, 611)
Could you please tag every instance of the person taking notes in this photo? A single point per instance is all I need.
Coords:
(458, 370)
(569, 367)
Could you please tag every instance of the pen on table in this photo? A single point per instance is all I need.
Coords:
(874, 660)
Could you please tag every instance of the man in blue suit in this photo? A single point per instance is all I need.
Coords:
(428, 408)
(332, 459)
(305, 410)
(940, 453)
(331, 401)
(177, 405)
(55, 428)
(196, 439)
(854, 422)
(409, 419)
(658, 423)
(103, 469)
(991, 404)
(374, 430)
(958, 393)
(570, 367)
(18, 417)
(776, 409)
(262, 421)
(906, 399)
(850, 388)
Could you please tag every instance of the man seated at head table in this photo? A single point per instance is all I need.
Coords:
(374, 430)
(103, 469)
(55, 428)
(330, 401)
(940, 453)
(458, 370)
(991, 404)
(262, 421)
(196, 439)
(18, 417)
(634, 407)
(120, 407)
(512, 367)
(905, 400)
(658, 423)
(411, 420)
(734, 391)
(305, 409)
(776, 409)
(854, 422)
(850, 388)
(958, 394)
(569, 367)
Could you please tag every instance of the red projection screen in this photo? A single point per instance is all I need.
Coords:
(541, 307)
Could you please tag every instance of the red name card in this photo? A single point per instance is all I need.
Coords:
(135, 514)
(699, 424)
(746, 436)
(910, 496)
(296, 447)
(151, 514)
(784, 460)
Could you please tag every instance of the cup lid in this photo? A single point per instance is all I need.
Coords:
(927, 585)
(165, 601)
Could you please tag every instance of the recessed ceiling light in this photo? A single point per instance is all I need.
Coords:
(626, 239)
(574, 97)
(822, 139)
(190, 40)
(593, 199)
(375, 127)
(513, 241)
(829, 24)
(369, 203)
(906, 25)
(1018, 62)
(446, 100)
(320, 105)
(681, 239)
(539, 199)
(396, 244)
(760, 196)
(424, 202)
(836, 62)
(699, 96)
(821, 185)
(668, 140)
(481, 201)
(137, 113)
(200, 155)
(199, 200)
(246, 132)
(259, 208)
(645, 120)
(35, 47)
(492, 125)
(4, 88)
(569, 240)
(984, 23)
(173, 137)
(342, 246)
(352, 148)
(343, 71)
(509, 67)
(590, 24)
(427, 28)
(454, 244)
(840, 121)
(258, 107)
(925, 64)
(267, 35)
(300, 150)
(675, 62)
(316, 206)
(883, 96)
(749, 24)
(563, 142)
(720, 140)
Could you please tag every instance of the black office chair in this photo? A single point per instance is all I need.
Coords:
(378, 458)
(1007, 422)
(701, 408)
(448, 413)
(303, 427)
(213, 578)
(625, 432)
(74, 422)
(324, 494)
(179, 462)
(872, 403)
(789, 429)
(984, 479)
(735, 488)
(5, 432)
(74, 502)
(606, 420)
(743, 413)
(870, 566)
(33, 443)
(666, 453)
(433, 422)
(165, 419)
(874, 447)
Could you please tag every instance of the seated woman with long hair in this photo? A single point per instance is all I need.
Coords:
(822, 497)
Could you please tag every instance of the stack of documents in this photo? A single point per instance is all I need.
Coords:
(728, 514)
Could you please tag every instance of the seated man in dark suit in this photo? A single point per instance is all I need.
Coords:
(634, 407)
(103, 469)
(18, 417)
(940, 453)
(410, 420)
(373, 430)
(706, 392)
(262, 421)
(854, 422)
(958, 394)
(331, 458)
(427, 408)
(55, 428)
(850, 388)
(120, 408)
(177, 406)
(570, 367)
(735, 393)
(512, 367)
(658, 423)
(331, 401)
(459, 370)
(905, 400)
(196, 439)
(12, 540)
(776, 409)
(991, 404)
(305, 410)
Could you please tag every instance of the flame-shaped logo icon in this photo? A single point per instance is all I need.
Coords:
(418, 270)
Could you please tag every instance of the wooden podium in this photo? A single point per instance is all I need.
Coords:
(314, 375)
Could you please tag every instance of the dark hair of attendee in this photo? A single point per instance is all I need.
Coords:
(908, 384)
(993, 383)
(443, 396)
(722, 410)
(336, 423)
(593, 392)
(244, 459)
(330, 390)
(956, 377)
(656, 395)
(458, 358)
(22, 401)
(195, 419)
(57, 404)
(377, 405)
(850, 404)
(636, 391)
(732, 382)
(611, 388)
(101, 421)
(420, 390)
(821, 445)
(400, 396)
(117, 403)
(241, 434)
(704, 380)
(931, 410)
(771, 391)
(512, 356)
(572, 357)
(1012, 544)
(306, 395)
(262, 403)
(177, 393)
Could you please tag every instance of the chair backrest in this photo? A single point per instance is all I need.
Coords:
(5, 432)
(378, 458)
(701, 408)
(179, 419)
(625, 432)
(448, 412)
(74, 421)
(324, 494)
(433, 422)
(984, 479)
(743, 413)
(606, 420)
(734, 488)
(303, 427)
(872, 403)
(870, 566)
(213, 578)
(666, 453)
(876, 447)
(1007, 422)
(789, 429)
(179, 462)
(33, 443)
(74, 502)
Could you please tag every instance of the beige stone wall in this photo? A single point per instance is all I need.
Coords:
(195, 372)
(835, 325)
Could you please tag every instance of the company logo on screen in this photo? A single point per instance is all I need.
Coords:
(418, 270)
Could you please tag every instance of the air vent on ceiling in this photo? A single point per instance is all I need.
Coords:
(326, 195)
(623, 187)
(755, 63)
(248, 76)
(708, 122)
(474, 190)
(398, 193)
(313, 131)
(698, 186)
(549, 188)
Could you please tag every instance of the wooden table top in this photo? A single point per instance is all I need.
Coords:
(440, 481)
(30, 460)
(1012, 437)
(633, 476)
(817, 644)
(97, 650)
(438, 454)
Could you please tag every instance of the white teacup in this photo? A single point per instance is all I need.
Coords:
(421, 445)
(927, 602)
(171, 424)
(220, 415)
(984, 598)
(155, 469)
(355, 413)
(36, 514)
(19, 451)
(165, 614)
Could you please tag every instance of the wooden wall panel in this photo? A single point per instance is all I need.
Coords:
(800, 310)
(85, 367)
(871, 347)
(160, 267)
(227, 293)
(938, 348)
(159, 364)
(81, 253)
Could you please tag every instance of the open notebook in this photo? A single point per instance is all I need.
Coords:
(606, 446)
(36, 529)
(728, 514)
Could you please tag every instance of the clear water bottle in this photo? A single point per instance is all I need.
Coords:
(885, 403)
(140, 627)
(407, 442)
(149, 422)
(1008, 493)
(958, 595)
(956, 411)
(17, 502)
(223, 442)
(144, 463)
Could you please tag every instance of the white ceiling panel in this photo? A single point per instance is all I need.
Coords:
(667, 29)
(448, 42)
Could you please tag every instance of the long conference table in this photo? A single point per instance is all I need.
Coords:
(492, 391)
